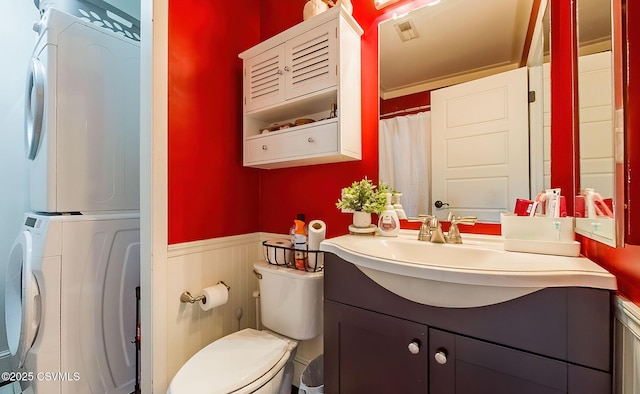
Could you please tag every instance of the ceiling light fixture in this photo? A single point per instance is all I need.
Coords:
(383, 3)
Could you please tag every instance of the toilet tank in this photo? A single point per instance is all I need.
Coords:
(290, 300)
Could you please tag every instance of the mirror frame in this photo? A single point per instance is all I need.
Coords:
(630, 36)
(582, 226)
(565, 158)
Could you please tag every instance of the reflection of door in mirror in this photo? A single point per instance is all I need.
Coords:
(449, 43)
(480, 146)
(594, 203)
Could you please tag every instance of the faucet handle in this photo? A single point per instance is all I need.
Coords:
(453, 236)
(471, 220)
(461, 219)
(421, 218)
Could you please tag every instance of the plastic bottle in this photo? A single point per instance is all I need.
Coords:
(299, 241)
(389, 224)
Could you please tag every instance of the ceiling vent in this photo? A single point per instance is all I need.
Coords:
(406, 30)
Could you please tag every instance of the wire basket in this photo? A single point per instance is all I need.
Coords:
(303, 260)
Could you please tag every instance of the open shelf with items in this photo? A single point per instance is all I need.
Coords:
(311, 261)
(302, 94)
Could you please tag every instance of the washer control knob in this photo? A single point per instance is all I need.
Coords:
(441, 357)
(37, 26)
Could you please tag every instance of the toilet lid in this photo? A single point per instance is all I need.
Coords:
(230, 363)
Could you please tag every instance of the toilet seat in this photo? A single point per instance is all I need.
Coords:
(232, 363)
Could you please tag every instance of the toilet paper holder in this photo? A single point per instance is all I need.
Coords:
(187, 297)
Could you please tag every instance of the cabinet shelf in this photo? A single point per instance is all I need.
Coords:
(300, 107)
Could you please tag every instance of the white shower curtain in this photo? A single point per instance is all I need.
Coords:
(404, 155)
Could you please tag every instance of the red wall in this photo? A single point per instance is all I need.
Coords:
(314, 190)
(210, 193)
(414, 100)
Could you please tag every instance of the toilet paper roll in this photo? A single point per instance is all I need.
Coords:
(317, 233)
(280, 255)
(214, 296)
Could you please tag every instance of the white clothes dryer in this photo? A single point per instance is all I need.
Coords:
(82, 116)
(71, 302)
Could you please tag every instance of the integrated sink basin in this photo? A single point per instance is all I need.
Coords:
(479, 272)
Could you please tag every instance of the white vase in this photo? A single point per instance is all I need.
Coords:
(346, 4)
(313, 7)
(361, 219)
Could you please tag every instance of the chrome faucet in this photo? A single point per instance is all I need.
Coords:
(437, 236)
(453, 235)
(430, 229)
(424, 234)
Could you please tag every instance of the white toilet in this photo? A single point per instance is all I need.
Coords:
(251, 361)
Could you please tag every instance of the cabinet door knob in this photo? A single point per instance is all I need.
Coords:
(286, 68)
(264, 147)
(414, 347)
(441, 357)
(279, 72)
(310, 139)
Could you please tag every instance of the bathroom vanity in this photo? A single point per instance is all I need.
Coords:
(554, 339)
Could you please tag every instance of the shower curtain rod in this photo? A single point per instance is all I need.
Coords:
(404, 111)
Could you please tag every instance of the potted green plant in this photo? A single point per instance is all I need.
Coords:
(363, 198)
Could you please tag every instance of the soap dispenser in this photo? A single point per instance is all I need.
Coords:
(389, 224)
(395, 199)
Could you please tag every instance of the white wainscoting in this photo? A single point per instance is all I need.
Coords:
(627, 347)
(195, 265)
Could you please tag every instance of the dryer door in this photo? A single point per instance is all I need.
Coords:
(34, 107)
(22, 299)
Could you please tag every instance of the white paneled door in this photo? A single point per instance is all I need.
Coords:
(480, 146)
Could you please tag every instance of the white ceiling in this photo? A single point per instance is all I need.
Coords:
(456, 37)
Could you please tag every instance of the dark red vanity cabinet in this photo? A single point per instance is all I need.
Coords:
(556, 340)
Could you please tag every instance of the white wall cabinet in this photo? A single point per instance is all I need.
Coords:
(308, 72)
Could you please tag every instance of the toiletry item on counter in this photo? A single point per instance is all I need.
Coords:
(552, 200)
(395, 199)
(299, 241)
(524, 207)
(553, 204)
(388, 224)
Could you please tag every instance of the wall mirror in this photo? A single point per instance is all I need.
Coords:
(596, 203)
(434, 62)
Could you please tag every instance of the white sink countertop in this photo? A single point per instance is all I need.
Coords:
(478, 272)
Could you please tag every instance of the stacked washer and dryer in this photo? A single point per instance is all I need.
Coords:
(75, 265)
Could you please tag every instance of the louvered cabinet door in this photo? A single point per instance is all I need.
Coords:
(264, 79)
(311, 61)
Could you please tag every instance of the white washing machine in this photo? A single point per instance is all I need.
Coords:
(71, 302)
(82, 121)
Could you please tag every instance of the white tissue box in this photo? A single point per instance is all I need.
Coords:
(539, 234)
